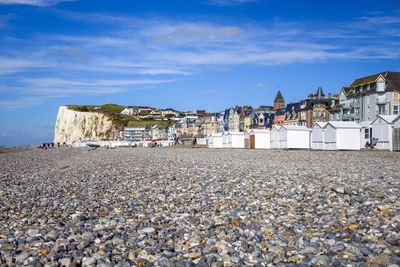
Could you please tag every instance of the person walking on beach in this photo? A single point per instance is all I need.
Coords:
(194, 142)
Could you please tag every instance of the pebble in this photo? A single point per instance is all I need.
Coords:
(199, 207)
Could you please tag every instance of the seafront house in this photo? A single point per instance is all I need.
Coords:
(221, 122)
(211, 123)
(279, 117)
(135, 133)
(315, 108)
(291, 116)
(368, 97)
(169, 112)
(247, 119)
(136, 110)
(226, 120)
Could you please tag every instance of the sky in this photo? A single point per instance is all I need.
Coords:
(188, 55)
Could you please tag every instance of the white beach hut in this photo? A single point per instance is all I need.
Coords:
(317, 135)
(215, 140)
(342, 135)
(365, 133)
(236, 139)
(225, 140)
(275, 136)
(396, 134)
(294, 137)
(262, 138)
(247, 138)
(382, 128)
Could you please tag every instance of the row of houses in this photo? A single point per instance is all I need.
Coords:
(361, 102)
(384, 132)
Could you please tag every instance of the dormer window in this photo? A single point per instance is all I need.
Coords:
(380, 87)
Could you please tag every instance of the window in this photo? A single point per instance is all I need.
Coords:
(396, 97)
(380, 86)
(395, 110)
(366, 133)
(381, 109)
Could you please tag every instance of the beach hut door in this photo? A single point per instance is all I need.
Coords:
(252, 141)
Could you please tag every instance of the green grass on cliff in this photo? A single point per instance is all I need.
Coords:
(114, 111)
(108, 108)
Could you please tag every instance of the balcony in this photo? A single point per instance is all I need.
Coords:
(347, 117)
(381, 100)
(345, 105)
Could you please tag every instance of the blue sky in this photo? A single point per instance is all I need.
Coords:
(199, 54)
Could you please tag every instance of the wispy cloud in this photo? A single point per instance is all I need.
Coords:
(20, 103)
(33, 2)
(140, 52)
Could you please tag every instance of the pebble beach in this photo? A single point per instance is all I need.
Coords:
(199, 207)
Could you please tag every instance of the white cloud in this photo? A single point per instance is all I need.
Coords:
(54, 82)
(229, 31)
(209, 91)
(33, 2)
(20, 103)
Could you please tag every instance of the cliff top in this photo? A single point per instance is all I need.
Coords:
(108, 108)
(113, 111)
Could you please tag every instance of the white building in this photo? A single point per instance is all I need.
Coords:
(262, 138)
(317, 136)
(294, 137)
(225, 140)
(365, 133)
(396, 134)
(236, 139)
(382, 128)
(215, 140)
(342, 135)
(275, 136)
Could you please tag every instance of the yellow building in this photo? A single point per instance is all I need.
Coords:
(247, 122)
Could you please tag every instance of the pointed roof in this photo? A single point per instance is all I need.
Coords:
(279, 96)
(320, 94)
(388, 118)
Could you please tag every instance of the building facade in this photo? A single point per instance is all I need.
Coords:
(368, 97)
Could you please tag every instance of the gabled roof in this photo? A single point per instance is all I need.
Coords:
(346, 90)
(260, 130)
(295, 127)
(276, 127)
(388, 118)
(365, 80)
(343, 124)
(392, 78)
(364, 124)
(320, 124)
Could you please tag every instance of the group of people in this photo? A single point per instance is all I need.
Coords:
(49, 145)
(178, 142)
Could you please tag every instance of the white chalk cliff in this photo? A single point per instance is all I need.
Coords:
(75, 125)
